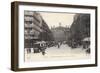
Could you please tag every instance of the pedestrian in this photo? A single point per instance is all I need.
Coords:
(58, 45)
(43, 49)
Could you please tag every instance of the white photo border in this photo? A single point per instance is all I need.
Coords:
(23, 64)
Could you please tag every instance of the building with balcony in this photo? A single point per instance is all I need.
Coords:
(80, 28)
(35, 28)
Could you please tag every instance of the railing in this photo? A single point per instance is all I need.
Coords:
(31, 37)
(27, 18)
(28, 13)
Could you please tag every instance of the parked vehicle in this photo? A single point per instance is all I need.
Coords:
(86, 42)
(40, 46)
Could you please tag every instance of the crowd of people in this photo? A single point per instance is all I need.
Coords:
(41, 46)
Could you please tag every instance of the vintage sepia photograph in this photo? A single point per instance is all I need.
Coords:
(52, 36)
(56, 36)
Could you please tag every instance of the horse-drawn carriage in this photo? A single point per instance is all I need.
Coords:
(39, 46)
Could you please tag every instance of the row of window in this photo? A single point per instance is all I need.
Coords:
(33, 23)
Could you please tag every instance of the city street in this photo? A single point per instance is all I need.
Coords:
(56, 28)
(57, 54)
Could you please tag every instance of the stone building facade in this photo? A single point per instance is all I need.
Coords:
(35, 27)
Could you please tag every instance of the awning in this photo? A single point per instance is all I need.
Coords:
(40, 42)
(86, 39)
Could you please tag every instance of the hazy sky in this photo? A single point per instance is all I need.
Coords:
(53, 19)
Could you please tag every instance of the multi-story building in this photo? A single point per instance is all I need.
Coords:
(80, 29)
(34, 26)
